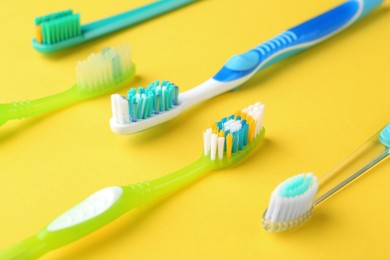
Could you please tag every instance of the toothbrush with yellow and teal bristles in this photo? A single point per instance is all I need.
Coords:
(99, 74)
(61, 30)
(293, 201)
(226, 143)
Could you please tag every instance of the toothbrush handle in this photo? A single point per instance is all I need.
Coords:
(353, 177)
(25, 109)
(131, 17)
(101, 208)
(241, 67)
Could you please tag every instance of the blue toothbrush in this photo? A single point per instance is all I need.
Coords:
(62, 30)
(234, 73)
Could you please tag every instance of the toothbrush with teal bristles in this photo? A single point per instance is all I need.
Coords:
(99, 74)
(293, 201)
(226, 143)
(239, 69)
(61, 30)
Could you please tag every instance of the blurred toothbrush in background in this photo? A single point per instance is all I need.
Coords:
(61, 30)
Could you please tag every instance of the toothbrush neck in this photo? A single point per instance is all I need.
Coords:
(180, 178)
(25, 109)
(205, 91)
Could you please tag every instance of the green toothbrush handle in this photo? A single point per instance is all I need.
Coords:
(100, 209)
(25, 109)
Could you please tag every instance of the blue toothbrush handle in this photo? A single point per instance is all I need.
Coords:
(295, 40)
(131, 17)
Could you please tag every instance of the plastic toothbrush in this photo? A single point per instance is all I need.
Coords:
(293, 201)
(99, 74)
(61, 30)
(234, 73)
(225, 144)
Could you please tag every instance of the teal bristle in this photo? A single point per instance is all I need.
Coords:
(235, 139)
(240, 139)
(245, 130)
(295, 186)
(52, 16)
(151, 100)
(139, 107)
(59, 26)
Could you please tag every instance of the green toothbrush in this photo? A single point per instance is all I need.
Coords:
(227, 143)
(97, 75)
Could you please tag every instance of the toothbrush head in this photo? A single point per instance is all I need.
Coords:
(291, 203)
(144, 108)
(104, 72)
(233, 137)
(57, 31)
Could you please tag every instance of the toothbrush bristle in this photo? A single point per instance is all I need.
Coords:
(104, 71)
(142, 104)
(57, 27)
(231, 134)
(291, 203)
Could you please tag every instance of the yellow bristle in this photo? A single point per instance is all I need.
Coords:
(243, 116)
(251, 128)
(238, 113)
(39, 34)
(221, 133)
(214, 128)
(229, 144)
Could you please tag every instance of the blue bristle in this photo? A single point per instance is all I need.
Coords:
(238, 118)
(163, 83)
(141, 90)
(231, 117)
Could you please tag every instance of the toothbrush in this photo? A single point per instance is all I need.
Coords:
(239, 68)
(61, 30)
(293, 201)
(97, 75)
(225, 144)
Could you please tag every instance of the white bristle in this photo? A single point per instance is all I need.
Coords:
(120, 106)
(213, 148)
(221, 145)
(207, 141)
(288, 208)
(99, 70)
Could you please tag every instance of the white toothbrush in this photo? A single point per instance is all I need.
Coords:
(235, 72)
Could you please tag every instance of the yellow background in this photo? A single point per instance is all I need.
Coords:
(321, 105)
